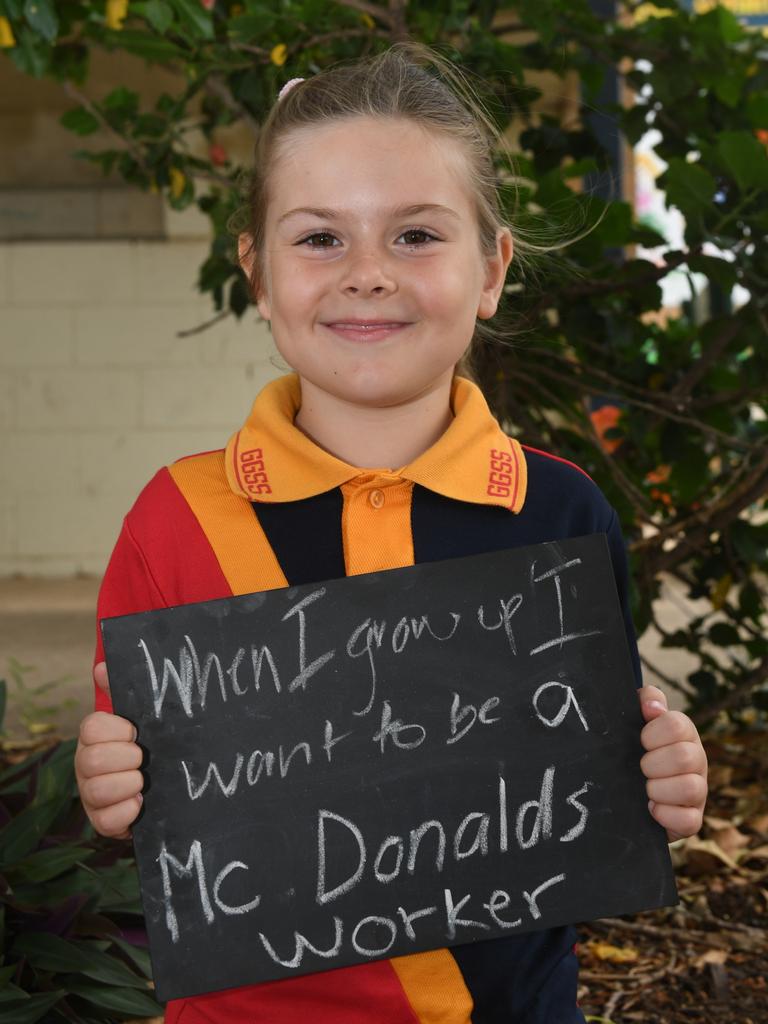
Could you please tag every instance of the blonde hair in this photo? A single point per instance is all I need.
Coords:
(393, 84)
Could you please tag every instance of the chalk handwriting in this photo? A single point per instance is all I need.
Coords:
(372, 634)
(461, 712)
(306, 671)
(569, 702)
(195, 867)
(396, 731)
(508, 609)
(302, 944)
(259, 761)
(562, 637)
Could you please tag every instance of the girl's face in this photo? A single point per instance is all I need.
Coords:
(372, 275)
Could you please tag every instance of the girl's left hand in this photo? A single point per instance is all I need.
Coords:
(674, 764)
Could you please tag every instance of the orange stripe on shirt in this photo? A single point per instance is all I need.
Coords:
(228, 521)
(435, 987)
(376, 531)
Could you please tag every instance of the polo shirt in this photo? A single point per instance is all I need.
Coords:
(274, 509)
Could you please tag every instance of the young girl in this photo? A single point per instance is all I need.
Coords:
(376, 243)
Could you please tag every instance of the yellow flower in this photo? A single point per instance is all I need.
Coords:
(178, 181)
(279, 54)
(117, 11)
(368, 21)
(7, 39)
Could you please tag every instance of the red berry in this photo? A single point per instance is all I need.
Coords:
(218, 154)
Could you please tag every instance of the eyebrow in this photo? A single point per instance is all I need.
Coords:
(399, 211)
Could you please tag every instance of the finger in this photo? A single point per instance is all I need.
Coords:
(105, 790)
(115, 821)
(681, 790)
(670, 727)
(103, 727)
(678, 821)
(677, 759)
(107, 759)
(100, 676)
(652, 702)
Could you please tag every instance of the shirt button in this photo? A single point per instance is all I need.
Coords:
(376, 498)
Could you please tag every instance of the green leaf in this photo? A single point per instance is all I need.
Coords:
(41, 16)
(728, 24)
(50, 953)
(690, 472)
(12, 9)
(47, 864)
(724, 635)
(728, 89)
(720, 271)
(3, 701)
(139, 956)
(6, 973)
(120, 1000)
(158, 14)
(253, 25)
(80, 121)
(31, 56)
(11, 993)
(194, 16)
(751, 542)
(153, 48)
(745, 157)
(122, 99)
(27, 1011)
(688, 186)
(22, 834)
(757, 110)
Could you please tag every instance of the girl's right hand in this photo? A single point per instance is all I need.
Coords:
(107, 763)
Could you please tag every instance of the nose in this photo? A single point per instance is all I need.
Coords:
(367, 273)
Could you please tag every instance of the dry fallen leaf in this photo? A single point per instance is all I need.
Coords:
(759, 853)
(758, 823)
(712, 956)
(730, 840)
(613, 954)
(720, 775)
(716, 823)
(701, 856)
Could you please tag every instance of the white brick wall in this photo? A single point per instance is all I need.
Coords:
(97, 392)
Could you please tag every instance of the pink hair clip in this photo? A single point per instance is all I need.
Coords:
(288, 86)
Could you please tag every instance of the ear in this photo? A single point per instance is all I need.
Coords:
(495, 274)
(247, 260)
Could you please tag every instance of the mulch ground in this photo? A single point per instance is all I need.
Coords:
(706, 960)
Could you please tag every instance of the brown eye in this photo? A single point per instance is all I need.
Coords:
(424, 236)
(315, 244)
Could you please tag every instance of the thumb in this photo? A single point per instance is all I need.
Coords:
(100, 676)
(652, 702)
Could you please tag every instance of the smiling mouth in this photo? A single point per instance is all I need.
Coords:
(372, 330)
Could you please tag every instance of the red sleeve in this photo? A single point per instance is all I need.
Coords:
(162, 558)
(127, 587)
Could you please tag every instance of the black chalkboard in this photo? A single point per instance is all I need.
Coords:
(386, 764)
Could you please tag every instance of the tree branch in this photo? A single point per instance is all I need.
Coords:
(217, 87)
(735, 696)
(719, 514)
(704, 428)
(375, 11)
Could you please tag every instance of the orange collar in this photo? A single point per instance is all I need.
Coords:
(270, 459)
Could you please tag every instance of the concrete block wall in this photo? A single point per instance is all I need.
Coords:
(97, 391)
